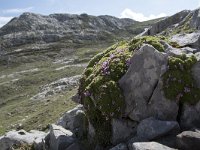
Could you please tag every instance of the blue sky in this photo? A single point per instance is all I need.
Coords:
(140, 10)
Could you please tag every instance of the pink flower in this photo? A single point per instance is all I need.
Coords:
(128, 62)
(87, 93)
(186, 90)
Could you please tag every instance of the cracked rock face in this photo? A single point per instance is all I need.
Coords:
(141, 86)
(167, 22)
(196, 19)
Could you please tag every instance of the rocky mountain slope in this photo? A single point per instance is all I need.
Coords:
(137, 94)
(41, 59)
(60, 34)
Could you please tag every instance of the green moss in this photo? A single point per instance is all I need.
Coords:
(178, 81)
(174, 44)
(99, 89)
(152, 40)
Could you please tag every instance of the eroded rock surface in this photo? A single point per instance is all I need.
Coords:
(141, 89)
(21, 137)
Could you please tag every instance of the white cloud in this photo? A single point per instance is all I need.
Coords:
(128, 13)
(4, 20)
(17, 10)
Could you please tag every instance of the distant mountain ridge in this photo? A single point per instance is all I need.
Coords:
(35, 28)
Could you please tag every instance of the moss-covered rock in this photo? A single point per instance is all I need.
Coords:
(99, 89)
(179, 83)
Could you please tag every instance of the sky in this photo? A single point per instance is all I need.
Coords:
(140, 10)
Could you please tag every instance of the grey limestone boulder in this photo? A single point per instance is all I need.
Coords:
(142, 86)
(151, 128)
(35, 138)
(190, 117)
(59, 138)
(75, 120)
(122, 129)
(191, 39)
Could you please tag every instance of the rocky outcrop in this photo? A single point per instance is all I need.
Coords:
(21, 137)
(122, 130)
(183, 22)
(141, 86)
(151, 128)
(59, 138)
(167, 23)
(188, 140)
(75, 120)
(57, 87)
(160, 81)
(195, 22)
(191, 40)
(189, 117)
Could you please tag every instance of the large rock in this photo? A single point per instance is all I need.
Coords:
(59, 138)
(75, 120)
(21, 137)
(149, 146)
(192, 39)
(142, 86)
(190, 117)
(188, 140)
(121, 130)
(151, 128)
